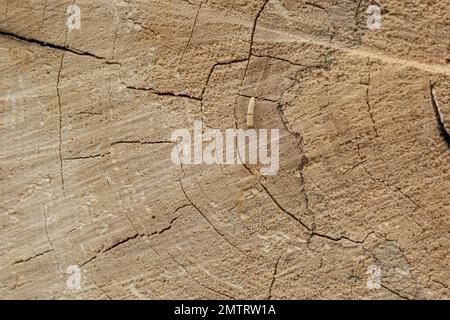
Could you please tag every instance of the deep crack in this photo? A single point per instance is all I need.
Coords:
(443, 130)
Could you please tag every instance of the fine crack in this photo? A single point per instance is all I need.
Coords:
(395, 292)
(258, 98)
(164, 93)
(353, 167)
(274, 275)
(137, 232)
(64, 48)
(321, 235)
(315, 5)
(139, 142)
(43, 13)
(217, 64)
(312, 231)
(282, 209)
(438, 282)
(393, 189)
(168, 228)
(208, 78)
(197, 281)
(252, 37)
(100, 155)
(140, 25)
(126, 214)
(50, 242)
(115, 41)
(111, 247)
(58, 93)
(369, 107)
(118, 243)
(318, 66)
(32, 257)
(287, 126)
(170, 223)
(209, 221)
(61, 172)
(88, 113)
(192, 31)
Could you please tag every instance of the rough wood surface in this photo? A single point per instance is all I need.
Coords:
(87, 180)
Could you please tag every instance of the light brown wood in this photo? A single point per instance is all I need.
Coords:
(359, 208)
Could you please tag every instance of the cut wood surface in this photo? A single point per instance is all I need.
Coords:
(93, 207)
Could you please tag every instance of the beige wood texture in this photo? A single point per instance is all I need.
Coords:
(86, 177)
